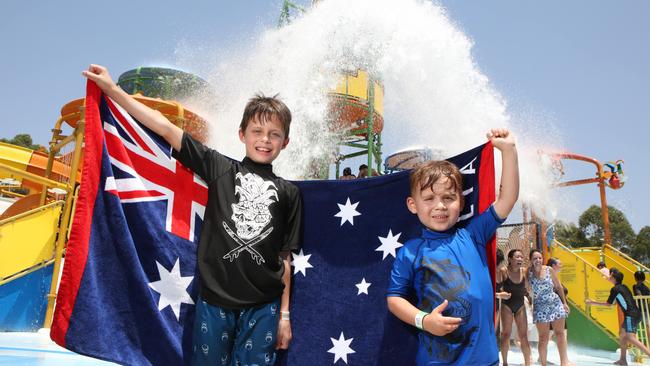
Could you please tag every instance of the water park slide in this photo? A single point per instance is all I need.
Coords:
(592, 326)
(30, 161)
(28, 233)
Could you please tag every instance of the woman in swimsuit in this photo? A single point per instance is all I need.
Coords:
(513, 278)
(549, 306)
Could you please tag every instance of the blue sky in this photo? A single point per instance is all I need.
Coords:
(582, 66)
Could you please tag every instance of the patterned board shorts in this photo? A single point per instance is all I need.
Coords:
(233, 337)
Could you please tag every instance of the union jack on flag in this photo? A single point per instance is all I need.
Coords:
(146, 171)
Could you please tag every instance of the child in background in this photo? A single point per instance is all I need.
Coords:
(640, 289)
(623, 297)
(447, 265)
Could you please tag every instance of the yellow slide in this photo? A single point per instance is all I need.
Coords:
(583, 280)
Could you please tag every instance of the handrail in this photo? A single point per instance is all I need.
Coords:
(33, 177)
(65, 219)
(639, 266)
(570, 250)
(27, 213)
(643, 332)
(26, 271)
(583, 308)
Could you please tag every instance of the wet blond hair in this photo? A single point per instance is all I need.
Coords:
(426, 174)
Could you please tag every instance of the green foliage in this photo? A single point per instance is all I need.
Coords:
(24, 140)
(569, 234)
(641, 248)
(590, 232)
(591, 225)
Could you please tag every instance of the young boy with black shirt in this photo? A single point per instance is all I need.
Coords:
(252, 222)
(623, 297)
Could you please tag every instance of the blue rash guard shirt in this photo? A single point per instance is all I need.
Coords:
(452, 265)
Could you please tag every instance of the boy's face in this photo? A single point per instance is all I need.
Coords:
(263, 141)
(437, 208)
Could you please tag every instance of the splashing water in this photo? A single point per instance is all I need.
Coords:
(434, 93)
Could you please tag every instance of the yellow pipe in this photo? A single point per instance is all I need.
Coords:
(50, 158)
(68, 139)
(62, 238)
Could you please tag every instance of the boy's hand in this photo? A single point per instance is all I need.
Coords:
(437, 324)
(284, 334)
(501, 138)
(101, 77)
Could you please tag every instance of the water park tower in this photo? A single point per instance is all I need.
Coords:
(355, 111)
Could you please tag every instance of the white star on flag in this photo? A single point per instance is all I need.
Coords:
(389, 244)
(363, 287)
(300, 262)
(347, 212)
(172, 288)
(341, 348)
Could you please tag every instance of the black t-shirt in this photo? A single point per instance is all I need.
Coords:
(640, 289)
(251, 216)
(622, 295)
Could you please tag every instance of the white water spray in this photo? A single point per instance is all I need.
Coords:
(434, 93)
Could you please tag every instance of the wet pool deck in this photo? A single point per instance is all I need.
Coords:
(36, 349)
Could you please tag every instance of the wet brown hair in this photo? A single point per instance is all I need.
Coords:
(263, 109)
(426, 174)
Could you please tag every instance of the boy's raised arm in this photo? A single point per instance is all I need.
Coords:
(503, 140)
(151, 118)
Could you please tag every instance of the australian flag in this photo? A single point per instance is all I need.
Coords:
(129, 282)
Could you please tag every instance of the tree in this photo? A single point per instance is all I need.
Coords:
(641, 248)
(591, 225)
(24, 140)
(570, 234)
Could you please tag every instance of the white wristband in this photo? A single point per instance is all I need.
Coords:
(284, 315)
(419, 317)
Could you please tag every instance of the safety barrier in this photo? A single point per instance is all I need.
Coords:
(19, 255)
(642, 333)
(584, 280)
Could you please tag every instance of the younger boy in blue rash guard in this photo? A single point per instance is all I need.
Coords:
(447, 265)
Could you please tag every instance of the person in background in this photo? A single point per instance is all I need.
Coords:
(556, 266)
(513, 278)
(549, 306)
(623, 297)
(347, 174)
(640, 289)
(363, 172)
(602, 267)
(500, 294)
